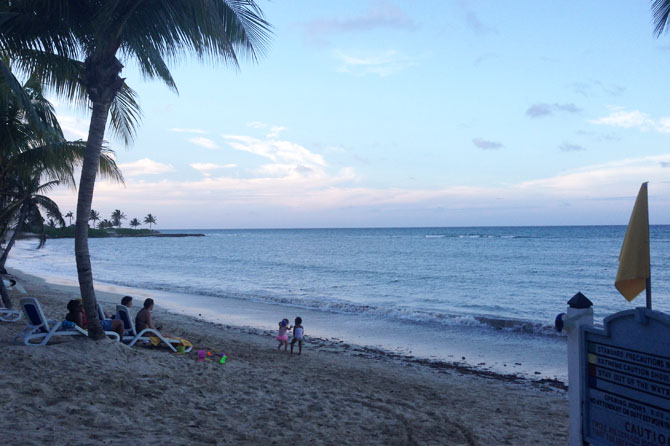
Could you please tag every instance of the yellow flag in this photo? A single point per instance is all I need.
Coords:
(634, 256)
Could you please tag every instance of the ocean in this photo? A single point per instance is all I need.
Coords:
(485, 297)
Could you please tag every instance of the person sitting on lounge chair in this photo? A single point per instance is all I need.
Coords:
(75, 314)
(143, 319)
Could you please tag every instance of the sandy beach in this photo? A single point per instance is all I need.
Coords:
(78, 392)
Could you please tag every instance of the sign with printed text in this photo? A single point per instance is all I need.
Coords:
(626, 385)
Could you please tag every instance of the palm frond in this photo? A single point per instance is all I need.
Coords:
(108, 168)
(125, 114)
(660, 10)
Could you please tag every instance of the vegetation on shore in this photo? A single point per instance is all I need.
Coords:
(68, 232)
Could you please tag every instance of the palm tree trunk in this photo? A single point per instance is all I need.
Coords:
(3, 291)
(89, 170)
(102, 81)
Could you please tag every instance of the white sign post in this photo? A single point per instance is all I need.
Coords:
(573, 322)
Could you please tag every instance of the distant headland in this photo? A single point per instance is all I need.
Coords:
(68, 232)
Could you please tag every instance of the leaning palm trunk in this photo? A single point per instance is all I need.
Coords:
(103, 83)
(3, 259)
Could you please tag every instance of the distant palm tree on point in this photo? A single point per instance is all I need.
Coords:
(150, 220)
(134, 223)
(117, 216)
(69, 216)
(95, 216)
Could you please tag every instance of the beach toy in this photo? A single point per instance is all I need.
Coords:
(201, 355)
(181, 349)
(223, 358)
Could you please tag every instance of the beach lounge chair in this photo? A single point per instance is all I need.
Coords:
(40, 328)
(11, 283)
(132, 336)
(101, 313)
(7, 315)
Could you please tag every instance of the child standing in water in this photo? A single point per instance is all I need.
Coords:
(298, 333)
(282, 337)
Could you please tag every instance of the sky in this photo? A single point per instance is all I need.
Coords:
(381, 113)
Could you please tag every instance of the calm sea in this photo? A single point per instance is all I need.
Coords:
(485, 296)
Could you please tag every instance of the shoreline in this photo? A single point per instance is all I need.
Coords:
(352, 393)
(476, 364)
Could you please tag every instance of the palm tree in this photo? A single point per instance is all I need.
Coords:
(55, 36)
(26, 208)
(104, 224)
(32, 150)
(661, 12)
(134, 223)
(95, 216)
(69, 216)
(117, 216)
(150, 220)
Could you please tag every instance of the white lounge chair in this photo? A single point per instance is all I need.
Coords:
(8, 315)
(40, 328)
(132, 336)
(101, 313)
(11, 283)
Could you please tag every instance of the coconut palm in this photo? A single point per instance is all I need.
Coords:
(134, 223)
(26, 207)
(104, 224)
(32, 154)
(95, 216)
(150, 220)
(76, 43)
(69, 216)
(116, 218)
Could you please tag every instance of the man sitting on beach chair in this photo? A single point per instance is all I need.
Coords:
(147, 332)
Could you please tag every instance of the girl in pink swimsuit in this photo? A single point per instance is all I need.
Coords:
(282, 337)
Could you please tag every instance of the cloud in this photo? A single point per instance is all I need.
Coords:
(381, 64)
(543, 109)
(207, 168)
(204, 142)
(619, 117)
(275, 130)
(275, 150)
(73, 127)
(257, 124)
(487, 145)
(594, 88)
(567, 147)
(179, 130)
(476, 25)
(145, 166)
(597, 136)
(381, 14)
(596, 194)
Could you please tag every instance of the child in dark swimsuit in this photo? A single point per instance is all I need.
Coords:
(298, 333)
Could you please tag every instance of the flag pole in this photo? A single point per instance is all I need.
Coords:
(647, 282)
